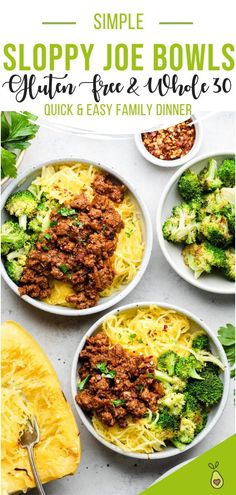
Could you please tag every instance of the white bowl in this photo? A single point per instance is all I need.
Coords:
(179, 161)
(212, 282)
(215, 412)
(23, 181)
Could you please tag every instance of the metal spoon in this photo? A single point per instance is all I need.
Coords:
(28, 439)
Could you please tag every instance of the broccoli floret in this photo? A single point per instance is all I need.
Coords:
(182, 226)
(186, 431)
(189, 185)
(209, 390)
(41, 221)
(21, 204)
(194, 411)
(171, 383)
(187, 367)
(200, 342)
(12, 237)
(229, 266)
(14, 269)
(215, 228)
(166, 362)
(202, 257)
(173, 401)
(16, 260)
(228, 212)
(208, 177)
(226, 172)
(167, 422)
(204, 357)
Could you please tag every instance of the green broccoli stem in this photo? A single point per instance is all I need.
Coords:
(163, 377)
(212, 169)
(23, 221)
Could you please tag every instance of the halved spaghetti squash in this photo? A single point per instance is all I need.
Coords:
(30, 386)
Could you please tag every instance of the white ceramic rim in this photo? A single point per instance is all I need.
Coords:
(188, 278)
(59, 310)
(172, 451)
(179, 161)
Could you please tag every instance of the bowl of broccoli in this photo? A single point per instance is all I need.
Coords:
(196, 222)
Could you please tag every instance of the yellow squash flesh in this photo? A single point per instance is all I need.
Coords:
(30, 386)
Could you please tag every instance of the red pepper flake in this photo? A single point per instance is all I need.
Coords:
(171, 143)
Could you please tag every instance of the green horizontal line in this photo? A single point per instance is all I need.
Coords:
(175, 22)
(58, 22)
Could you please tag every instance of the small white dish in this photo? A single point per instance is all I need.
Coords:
(23, 181)
(215, 412)
(179, 161)
(212, 282)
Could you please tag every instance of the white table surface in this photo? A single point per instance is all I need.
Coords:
(100, 470)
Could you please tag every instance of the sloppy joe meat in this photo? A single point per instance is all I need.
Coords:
(78, 248)
(120, 383)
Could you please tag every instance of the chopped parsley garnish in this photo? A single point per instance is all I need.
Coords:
(110, 374)
(63, 268)
(78, 224)
(53, 223)
(102, 367)
(105, 371)
(81, 385)
(140, 388)
(118, 402)
(42, 206)
(132, 336)
(128, 233)
(66, 212)
(48, 236)
(45, 248)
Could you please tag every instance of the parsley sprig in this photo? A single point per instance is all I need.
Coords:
(17, 130)
(226, 336)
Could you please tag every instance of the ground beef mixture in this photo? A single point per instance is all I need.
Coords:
(118, 384)
(78, 246)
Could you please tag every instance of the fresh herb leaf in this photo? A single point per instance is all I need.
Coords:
(16, 132)
(226, 336)
(105, 371)
(128, 233)
(47, 236)
(42, 206)
(118, 402)
(78, 224)
(20, 130)
(140, 388)
(102, 367)
(67, 212)
(81, 385)
(8, 163)
(110, 374)
(53, 223)
(132, 336)
(64, 269)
